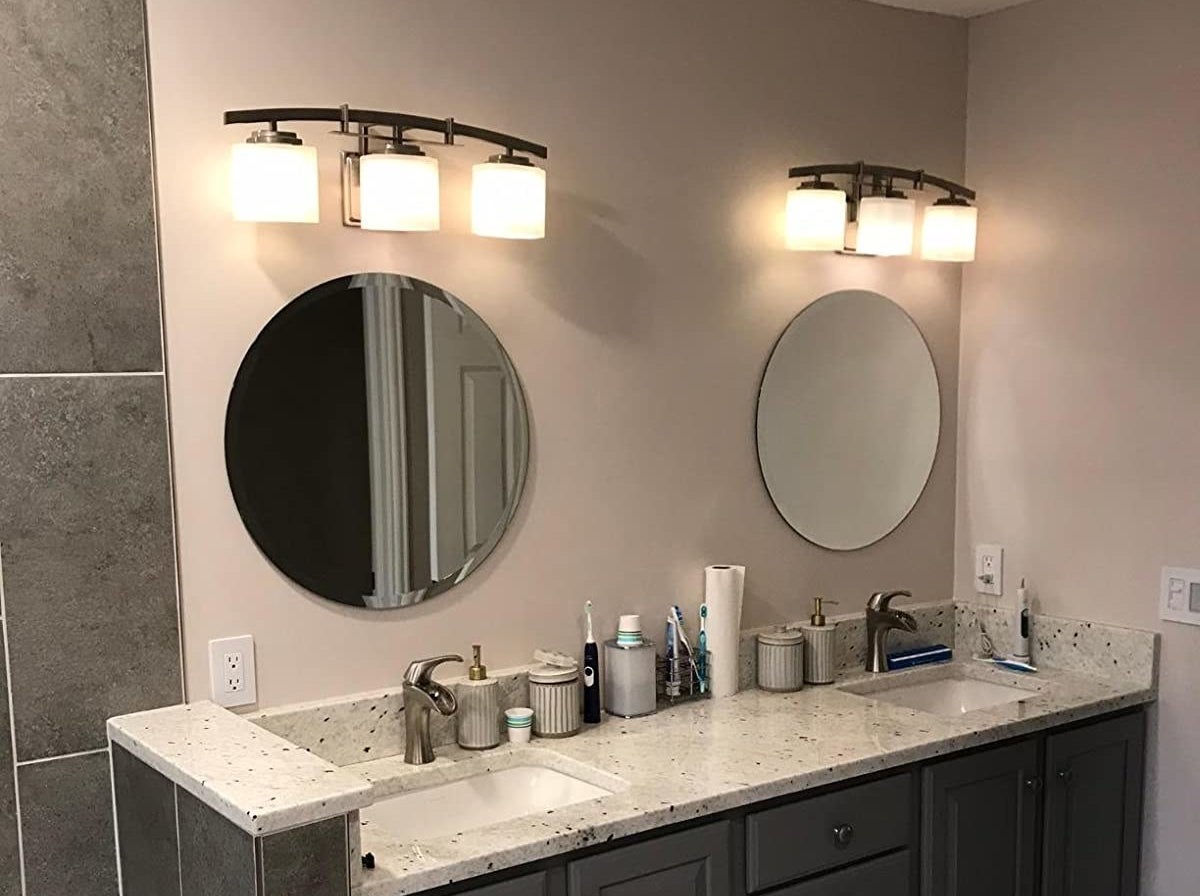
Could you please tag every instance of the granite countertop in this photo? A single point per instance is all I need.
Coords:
(256, 779)
(710, 756)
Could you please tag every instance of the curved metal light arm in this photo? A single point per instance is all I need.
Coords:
(448, 128)
(865, 174)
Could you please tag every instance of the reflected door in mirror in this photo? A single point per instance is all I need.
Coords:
(376, 440)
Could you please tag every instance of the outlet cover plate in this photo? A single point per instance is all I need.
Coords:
(989, 569)
(231, 670)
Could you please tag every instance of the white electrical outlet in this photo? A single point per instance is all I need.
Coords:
(231, 669)
(989, 569)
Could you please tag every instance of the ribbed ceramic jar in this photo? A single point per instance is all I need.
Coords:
(781, 660)
(554, 696)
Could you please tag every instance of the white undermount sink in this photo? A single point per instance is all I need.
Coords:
(477, 801)
(951, 695)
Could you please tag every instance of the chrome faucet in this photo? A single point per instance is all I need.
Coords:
(421, 695)
(881, 619)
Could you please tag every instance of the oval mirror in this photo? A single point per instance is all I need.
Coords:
(848, 419)
(376, 440)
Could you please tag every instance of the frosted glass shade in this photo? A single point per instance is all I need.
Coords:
(948, 233)
(816, 220)
(399, 192)
(508, 201)
(274, 182)
(885, 225)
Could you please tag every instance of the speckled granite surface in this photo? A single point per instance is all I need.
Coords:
(259, 781)
(715, 755)
(1075, 645)
(360, 727)
(935, 625)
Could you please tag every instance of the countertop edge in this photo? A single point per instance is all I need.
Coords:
(257, 822)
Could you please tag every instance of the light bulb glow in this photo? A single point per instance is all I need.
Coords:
(508, 201)
(885, 225)
(274, 182)
(399, 192)
(816, 220)
(948, 233)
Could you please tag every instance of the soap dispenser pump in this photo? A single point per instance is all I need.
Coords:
(821, 635)
(478, 707)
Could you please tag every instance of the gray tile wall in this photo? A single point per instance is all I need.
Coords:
(87, 570)
(172, 843)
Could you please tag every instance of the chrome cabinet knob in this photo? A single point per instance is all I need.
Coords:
(1064, 775)
(843, 834)
(1033, 784)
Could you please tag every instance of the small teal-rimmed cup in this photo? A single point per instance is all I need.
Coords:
(519, 722)
(629, 631)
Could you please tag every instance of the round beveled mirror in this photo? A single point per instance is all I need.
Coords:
(376, 440)
(848, 419)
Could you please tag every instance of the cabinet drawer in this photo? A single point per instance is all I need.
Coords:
(799, 839)
(890, 875)
(695, 862)
(542, 883)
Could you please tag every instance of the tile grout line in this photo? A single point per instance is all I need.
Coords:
(178, 837)
(44, 759)
(80, 375)
(112, 786)
(12, 728)
(155, 202)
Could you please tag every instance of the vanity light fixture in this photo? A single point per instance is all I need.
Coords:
(882, 219)
(508, 198)
(388, 183)
(948, 231)
(816, 217)
(273, 177)
(885, 224)
(399, 189)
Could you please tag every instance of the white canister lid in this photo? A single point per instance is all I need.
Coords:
(553, 668)
(552, 675)
(781, 637)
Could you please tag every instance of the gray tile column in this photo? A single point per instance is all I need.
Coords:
(87, 559)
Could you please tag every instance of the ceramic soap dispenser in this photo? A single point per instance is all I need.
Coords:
(821, 638)
(478, 707)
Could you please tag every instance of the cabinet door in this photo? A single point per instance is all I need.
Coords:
(690, 863)
(1094, 809)
(979, 823)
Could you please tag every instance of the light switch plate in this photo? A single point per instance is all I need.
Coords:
(1180, 601)
(231, 669)
(989, 569)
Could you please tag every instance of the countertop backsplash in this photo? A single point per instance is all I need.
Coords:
(365, 727)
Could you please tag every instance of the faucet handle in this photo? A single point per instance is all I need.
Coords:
(880, 599)
(419, 672)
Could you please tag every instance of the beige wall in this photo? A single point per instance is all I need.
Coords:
(1079, 431)
(640, 327)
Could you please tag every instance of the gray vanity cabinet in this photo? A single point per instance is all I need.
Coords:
(1091, 836)
(695, 862)
(979, 825)
(1053, 814)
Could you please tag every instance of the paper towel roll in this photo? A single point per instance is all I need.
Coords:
(723, 594)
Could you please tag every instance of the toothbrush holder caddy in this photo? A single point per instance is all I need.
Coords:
(676, 680)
